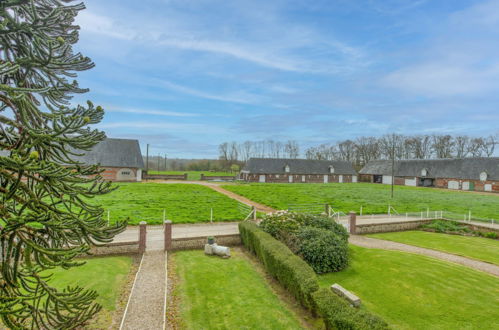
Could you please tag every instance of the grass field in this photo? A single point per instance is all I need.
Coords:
(415, 292)
(218, 293)
(374, 198)
(467, 246)
(184, 203)
(106, 275)
(193, 175)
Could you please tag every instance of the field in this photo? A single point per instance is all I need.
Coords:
(216, 293)
(193, 175)
(374, 198)
(183, 203)
(472, 247)
(415, 292)
(106, 275)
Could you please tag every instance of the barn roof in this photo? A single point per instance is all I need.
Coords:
(297, 166)
(110, 152)
(461, 168)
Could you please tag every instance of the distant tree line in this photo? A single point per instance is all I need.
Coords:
(363, 149)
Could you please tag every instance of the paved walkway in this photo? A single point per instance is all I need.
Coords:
(146, 306)
(374, 243)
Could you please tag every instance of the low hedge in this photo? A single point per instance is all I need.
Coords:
(338, 314)
(289, 269)
(301, 281)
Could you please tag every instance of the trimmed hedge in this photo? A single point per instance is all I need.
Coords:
(301, 281)
(338, 314)
(289, 269)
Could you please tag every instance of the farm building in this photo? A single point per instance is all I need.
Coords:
(121, 159)
(480, 174)
(297, 171)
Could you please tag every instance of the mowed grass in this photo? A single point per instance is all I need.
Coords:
(415, 292)
(106, 275)
(374, 198)
(218, 293)
(193, 175)
(480, 248)
(183, 203)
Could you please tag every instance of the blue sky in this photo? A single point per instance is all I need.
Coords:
(187, 75)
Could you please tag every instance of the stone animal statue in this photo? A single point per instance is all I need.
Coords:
(215, 249)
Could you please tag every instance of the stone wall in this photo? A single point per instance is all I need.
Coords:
(165, 176)
(389, 227)
(191, 243)
(116, 248)
(217, 177)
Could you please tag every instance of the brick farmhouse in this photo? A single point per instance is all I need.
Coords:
(121, 159)
(278, 170)
(479, 174)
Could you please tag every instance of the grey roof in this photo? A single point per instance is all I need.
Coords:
(114, 153)
(297, 166)
(461, 168)
(110, 152)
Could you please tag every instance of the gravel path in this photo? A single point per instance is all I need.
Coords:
(146, 305)
(374, 243)
(244, 200)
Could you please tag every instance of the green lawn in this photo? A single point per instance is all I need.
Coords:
(374, 198)
(416, 292)
(184, 203)
(472, 247)
(218, 293)
(193, 175)
(106, 275)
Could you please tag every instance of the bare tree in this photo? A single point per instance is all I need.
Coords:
(442, 145)
(461, 146)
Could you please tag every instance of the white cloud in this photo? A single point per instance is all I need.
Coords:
(169, 127)
(150, 112)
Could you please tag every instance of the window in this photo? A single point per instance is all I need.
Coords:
(286, 168)
(331, 169)
(424, 172)
(483, 176)
(125, 173)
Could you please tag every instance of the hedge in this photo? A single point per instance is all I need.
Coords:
(290, 270)
(338, 314)
(300, 280)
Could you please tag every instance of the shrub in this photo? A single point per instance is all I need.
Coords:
(322, 249)
(491, 234)
(443, 226)
(290, 270)
(338, 314)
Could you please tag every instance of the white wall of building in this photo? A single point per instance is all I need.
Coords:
(139, 174)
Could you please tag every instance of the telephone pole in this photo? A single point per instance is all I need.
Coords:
(393, 162)
(147, 159)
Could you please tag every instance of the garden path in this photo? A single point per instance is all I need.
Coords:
(146, 305)
(374, 243)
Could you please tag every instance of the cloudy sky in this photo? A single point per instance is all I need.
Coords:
(186, 75)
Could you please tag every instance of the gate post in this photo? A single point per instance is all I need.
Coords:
(142, 236)
(353, 222)
(168, 235)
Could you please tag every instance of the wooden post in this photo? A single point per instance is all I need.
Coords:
(142, 236)
(168, 234)
(353, 222)
(253, 209)
(202, 177)
(326, 209)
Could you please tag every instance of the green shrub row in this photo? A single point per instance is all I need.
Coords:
(338, 314)
(300, 280)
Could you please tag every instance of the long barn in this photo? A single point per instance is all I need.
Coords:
(473, 174)
(279, 170)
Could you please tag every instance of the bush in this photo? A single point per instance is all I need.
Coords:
(290, 270)
(322, 249)
(338, 314)
(491, 234)
(444, 226)
(299, 279)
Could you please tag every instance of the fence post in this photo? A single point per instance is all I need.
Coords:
(168, 234)
(142, 236)
(469, 215)
(326, 209)
(202, 177)
(353, 222)
(360, 210)
(253, 210)
(211, 215)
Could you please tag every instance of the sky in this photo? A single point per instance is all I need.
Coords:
(187, 75)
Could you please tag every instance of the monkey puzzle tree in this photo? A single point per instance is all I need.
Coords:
(45, 218)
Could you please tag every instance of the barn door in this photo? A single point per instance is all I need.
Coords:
(290, 179)
(326, 178)
(261, 178)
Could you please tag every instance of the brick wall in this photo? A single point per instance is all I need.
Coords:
(191, 243)
(479, 185)
(217, 177)
(111, 173)
(389, 227)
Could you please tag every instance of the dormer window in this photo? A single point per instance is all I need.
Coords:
(483, 176)
(424, 172)
(331, 169)
(286, 168)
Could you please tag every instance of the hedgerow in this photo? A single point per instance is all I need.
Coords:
(300, 280)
